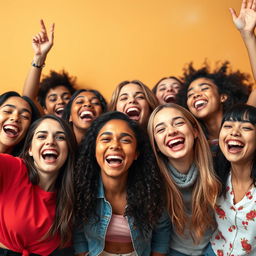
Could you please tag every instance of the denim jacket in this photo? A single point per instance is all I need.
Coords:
(91, 237)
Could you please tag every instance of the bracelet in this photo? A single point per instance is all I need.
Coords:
(37, 66)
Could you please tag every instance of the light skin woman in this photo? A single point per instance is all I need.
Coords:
(115, 159)
(83, 108)
(135, 100)
(16, 115)
(166, 89)
(40, 185)
(235, 165)
(184, 159)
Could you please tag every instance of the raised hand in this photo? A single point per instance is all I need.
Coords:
(41, 43)
(246, 20)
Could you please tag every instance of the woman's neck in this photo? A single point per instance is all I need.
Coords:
(180, 165)
(241, 173)
(47, 181)
(5, 149)
(213, 124)
(79, 134)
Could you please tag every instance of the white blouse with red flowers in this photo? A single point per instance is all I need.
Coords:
(236, 232)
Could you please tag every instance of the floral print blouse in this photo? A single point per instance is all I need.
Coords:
(236, 232)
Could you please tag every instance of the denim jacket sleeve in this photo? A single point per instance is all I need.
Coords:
(79, 241)
(161, 235)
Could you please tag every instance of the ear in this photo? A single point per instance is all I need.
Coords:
(45, 111)
(70, 118)
(30, 152)
(195, 133)
(223, 97)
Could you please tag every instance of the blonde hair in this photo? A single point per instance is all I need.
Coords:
(150, 97)
(206, 188)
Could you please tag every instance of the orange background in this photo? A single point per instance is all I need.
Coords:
(103, 42)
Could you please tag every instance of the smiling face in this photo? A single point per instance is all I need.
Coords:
(85, 108)
(132, 101)
(167, 90)
(115, 149)
(15, 118)
(56, 99)
(203, 98)
(49, 147)
(174, 135)
(238, 141)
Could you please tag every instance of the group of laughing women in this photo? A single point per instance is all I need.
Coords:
(142, 176)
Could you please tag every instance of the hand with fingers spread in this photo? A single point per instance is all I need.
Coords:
(41, 43)
(246, 20)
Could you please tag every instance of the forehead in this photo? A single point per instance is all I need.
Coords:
(167, 115)
(169, 81)
(49, 125)
(116, 126)
(86, 95)
(18, 103)
(131, 88)
(58, 90)
(202, 81)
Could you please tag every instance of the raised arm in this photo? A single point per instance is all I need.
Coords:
(245, 22)
(41, 43)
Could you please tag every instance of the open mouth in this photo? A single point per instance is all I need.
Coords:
(50, 155)
(87, 115)
(235, 146)
(169, 98)
(133, 113)
(200, 104)
(176, 144)
(11, 131)
(59, 111)
(114, 161)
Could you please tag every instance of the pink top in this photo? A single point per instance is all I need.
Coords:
(118, 230)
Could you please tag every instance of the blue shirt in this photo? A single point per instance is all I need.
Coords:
(91, 237)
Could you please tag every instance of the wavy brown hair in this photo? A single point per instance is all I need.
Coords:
(63, 222)
(206, 188)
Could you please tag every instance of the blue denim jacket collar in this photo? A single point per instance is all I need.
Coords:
(101, 193)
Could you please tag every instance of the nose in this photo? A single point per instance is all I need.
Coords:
(171, 130)
(60, 101)
(170, 89)
(15, 117)
(87, 104)
(235, 132)
(196, 95)
(115, 145)
(50, 140)
(132, 99)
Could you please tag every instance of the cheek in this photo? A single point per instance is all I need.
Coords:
(119, 106)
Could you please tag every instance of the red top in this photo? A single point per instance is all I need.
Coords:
(26, 211)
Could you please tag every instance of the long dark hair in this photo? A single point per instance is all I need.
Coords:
(34, 115)
(145, 190)
(240, 113)
(64, 183)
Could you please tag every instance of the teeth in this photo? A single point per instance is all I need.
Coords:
(170, 143)
(132, 110)
(86, 113)
(10, 127)
(114, 158)
(235, 143)
(169, 98)
(200, 103)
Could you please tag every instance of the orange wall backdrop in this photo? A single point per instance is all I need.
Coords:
(103, 42)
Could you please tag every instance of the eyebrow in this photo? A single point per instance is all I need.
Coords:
(202, 84)
(173, 119)
(45, 132)
(13, 106)
(123, 134)
(81, 96)
(55, 94)
(125, 93)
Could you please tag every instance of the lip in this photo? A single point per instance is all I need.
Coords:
(12, 127)
(84, 112)
(59, 111)
(169, 98)
(235, 150)
(114, 156)
(133, 108)
(52, 151)
(171, 143)
(200, 104)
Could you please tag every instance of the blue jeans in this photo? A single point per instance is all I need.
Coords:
(209, 251)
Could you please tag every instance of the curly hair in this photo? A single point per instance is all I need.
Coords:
(145, 190)
(67, 111)
(54, 80)
(64, 184)
(239, 113)
(234, 84)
